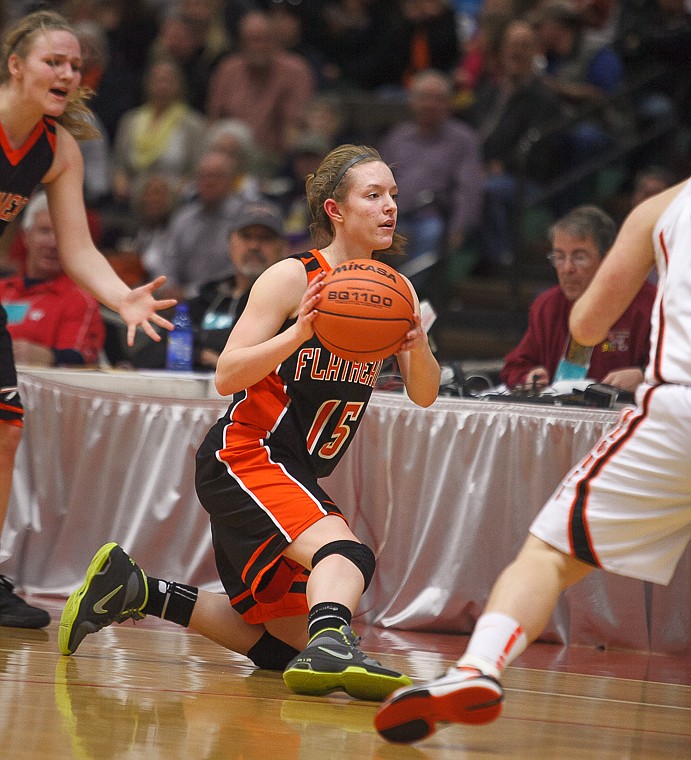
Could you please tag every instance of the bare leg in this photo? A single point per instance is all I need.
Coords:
(215, 619)
(520, 605)
(292, 630)
(14, 611)
(335, 578)
(529, 588)
(10, 436)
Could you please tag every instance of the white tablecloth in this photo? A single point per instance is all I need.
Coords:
(443, 495)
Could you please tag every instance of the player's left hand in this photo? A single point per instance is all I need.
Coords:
(414, 338)
(139, 307)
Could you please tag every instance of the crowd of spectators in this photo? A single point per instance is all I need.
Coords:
(205, 105)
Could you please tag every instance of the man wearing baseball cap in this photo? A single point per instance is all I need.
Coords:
(257, 240)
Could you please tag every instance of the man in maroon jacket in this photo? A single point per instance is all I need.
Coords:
(580, 240)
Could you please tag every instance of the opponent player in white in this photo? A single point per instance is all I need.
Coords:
(626, 507)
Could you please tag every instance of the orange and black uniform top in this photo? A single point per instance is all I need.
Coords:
(23, 168)
(309, 408)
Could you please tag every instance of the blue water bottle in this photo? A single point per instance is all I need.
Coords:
(180, 348)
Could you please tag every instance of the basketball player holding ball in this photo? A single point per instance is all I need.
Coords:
(292, 569)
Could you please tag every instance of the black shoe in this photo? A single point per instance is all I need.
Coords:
(15, 612)
(333, 660)
(113, 591)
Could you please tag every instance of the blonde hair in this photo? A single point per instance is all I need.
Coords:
(331, 180)
(19, 40)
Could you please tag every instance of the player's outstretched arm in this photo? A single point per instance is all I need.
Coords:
(80, 258)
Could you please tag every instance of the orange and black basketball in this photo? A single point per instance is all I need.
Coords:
(366, 308)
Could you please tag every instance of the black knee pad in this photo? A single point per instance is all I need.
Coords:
(271, 653)
(360, 555)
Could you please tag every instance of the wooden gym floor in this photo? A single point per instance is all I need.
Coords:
(157, 692)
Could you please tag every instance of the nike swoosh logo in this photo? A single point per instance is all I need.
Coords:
(340, 655)
(99, 608)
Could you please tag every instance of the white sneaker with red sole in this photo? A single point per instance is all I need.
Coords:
(463, 695)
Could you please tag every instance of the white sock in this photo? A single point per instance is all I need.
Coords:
(496, 641)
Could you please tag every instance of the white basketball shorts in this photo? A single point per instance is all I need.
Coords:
(626, 506)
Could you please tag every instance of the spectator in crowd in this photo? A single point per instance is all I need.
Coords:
(96, 152)
(508, 112)
(654, 40)
(287, 22)
(599, 18)
(304, 158)
(153, 205)
(130, 27)
(645, 182)
(649, 181)
(325, 115)
(208, 18)
(439, 172)
(141, 253)
(232, 12)
(480, 55)
(580, 241)
(163, 135)
(181, 39)
(352, 34)
(51, 320)
(431, 36)
(198, 240)
(264, 86)
(583, 72)
(234, 137)
(256, 242)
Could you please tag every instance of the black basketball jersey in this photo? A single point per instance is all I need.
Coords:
(309, 407)
(23, 168)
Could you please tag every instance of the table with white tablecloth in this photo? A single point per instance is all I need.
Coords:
(443, 495)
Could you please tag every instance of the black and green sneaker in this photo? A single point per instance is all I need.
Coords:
(332, 661)
(113, 591)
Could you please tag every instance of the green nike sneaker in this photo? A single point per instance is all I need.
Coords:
(113, 591)
(332, 661)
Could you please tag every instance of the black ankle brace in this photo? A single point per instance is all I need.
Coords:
(328, 615)
(171, 601)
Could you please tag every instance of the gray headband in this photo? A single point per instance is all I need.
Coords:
(348, 165)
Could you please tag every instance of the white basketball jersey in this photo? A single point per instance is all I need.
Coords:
(670, 336)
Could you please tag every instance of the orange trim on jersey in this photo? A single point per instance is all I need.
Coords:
(261, 409)
(11, 408)
(290, 505)
(661, 321)
(15, 155)
(290, 605)
(253, 558)
(322, 261)
(15, 423)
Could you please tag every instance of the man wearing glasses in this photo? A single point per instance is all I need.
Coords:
(546, 352)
